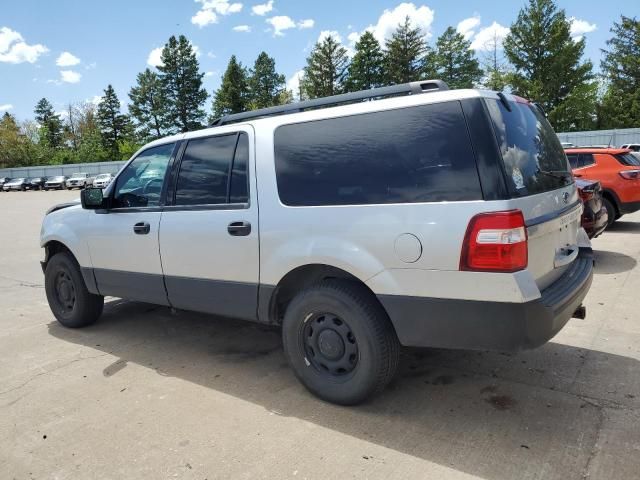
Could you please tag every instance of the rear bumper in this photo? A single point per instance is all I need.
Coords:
(499, 326)
(628, 207)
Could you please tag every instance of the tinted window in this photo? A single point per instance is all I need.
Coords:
(140, 183)
(533, 157)
(204, 171)
(417, 154)
(573, 159)
(629, 159)
(586, 159)
(238, 192)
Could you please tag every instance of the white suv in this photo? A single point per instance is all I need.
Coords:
(424, 217)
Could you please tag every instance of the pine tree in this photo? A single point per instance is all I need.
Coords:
(182, 85)
(367, 65)
(548, 68)
(407, 55)
(326, 69)
(454, 60)
(495, 66)
(233, 94)
(148, 106)
(266, 86)
(621, 67)
(50, 123)
(112, 123)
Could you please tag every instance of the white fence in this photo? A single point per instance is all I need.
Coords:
(615, 138)
(51, 170)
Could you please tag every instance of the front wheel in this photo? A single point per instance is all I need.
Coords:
(70, 301)
(339, 342)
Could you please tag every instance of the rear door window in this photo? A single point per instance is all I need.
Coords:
(409, 155)
(629, 159)
(213, 171)
(533, 158)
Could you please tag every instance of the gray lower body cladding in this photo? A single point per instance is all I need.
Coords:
(498, 326)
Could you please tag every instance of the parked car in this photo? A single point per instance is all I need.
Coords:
(37, 183)
(3, 180)
(103, 180)
(56, 183)
(426, 217)
(16, 184)
(567, 144)
(618, 171)
(78, 180)
(594, 216)
(632, 146)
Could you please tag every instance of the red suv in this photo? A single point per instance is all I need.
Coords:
(618, 171)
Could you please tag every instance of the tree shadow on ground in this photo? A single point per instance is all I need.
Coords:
(493, 415)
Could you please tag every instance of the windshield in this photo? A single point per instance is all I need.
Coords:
(533, 158)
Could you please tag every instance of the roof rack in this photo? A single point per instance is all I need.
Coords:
(412, 88)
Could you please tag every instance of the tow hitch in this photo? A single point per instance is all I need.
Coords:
(580, 313)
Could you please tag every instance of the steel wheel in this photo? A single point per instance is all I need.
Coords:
(329, 344)
(65, 291)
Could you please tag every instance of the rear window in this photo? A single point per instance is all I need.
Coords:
(410, 155)
(534, 160)
(628, 159)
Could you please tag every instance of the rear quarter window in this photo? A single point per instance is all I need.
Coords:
(533, 158)
(410, 155)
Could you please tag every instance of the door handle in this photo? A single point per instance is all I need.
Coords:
(577, 175)
(239, 229)
(141, 228)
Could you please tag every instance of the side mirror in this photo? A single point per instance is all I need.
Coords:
(92, 199)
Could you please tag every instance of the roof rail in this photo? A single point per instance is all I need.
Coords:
(412, 88)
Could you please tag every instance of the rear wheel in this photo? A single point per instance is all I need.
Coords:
(339, 341)
(612, 213)
(70, 301)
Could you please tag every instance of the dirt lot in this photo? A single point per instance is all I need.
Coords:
(149, 394)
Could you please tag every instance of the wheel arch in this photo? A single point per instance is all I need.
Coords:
(273, 300)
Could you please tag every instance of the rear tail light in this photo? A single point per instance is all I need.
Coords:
(630, 174)
(495, 242)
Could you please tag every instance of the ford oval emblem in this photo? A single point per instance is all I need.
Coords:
(565, 197)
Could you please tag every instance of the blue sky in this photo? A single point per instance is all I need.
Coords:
(69, 50)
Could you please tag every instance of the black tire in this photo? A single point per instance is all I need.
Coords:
(612, 213)
(67, 294)
(361, 351)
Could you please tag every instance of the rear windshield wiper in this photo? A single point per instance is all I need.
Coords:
(563, 174)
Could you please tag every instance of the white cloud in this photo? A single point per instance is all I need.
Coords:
(91, 66)
(490, 36)
(155, 57)
(13, 48)
(210, 10)
(580, 27)
(467, 26)
(96, 99)
(353, 38)
(6, 107)
(204, 17)
(262, 9)
(208, 74)
(421, 17)
(211, 55)
(242, 28)
(293, 83)
(69, 76)
(280, 23)
(329, 33)
(308, 23)
(67, 59)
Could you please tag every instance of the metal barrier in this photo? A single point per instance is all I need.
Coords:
(615, 138)
(92, 169)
